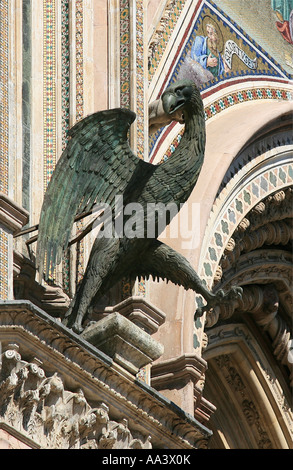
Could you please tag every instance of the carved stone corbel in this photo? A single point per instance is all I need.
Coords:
(262, 302)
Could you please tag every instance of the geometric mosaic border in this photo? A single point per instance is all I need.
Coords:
(227, 101)
(273, 178)
(4, 260)
(125, 59)
(167, 25)
(250, 94)
(49, 84)
(132, 65)
(4, 142)
(79, 38)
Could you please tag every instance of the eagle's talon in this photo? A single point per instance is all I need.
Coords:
(220, 297)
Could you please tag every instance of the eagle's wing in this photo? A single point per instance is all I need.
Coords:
(96, 164)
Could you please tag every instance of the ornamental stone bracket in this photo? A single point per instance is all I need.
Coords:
(182, 373)
(141, 312)
(262, 304)
(125, 342)
(57, 390)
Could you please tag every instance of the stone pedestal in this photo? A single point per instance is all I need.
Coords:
(140, 312)
(124, 342)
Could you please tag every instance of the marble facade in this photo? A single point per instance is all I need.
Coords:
(166, 382)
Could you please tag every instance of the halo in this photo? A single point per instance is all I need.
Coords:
(209, 20)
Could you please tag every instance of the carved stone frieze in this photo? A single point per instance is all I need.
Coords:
(40, 408)
(73, 395)
(234, 355)
(262, 303)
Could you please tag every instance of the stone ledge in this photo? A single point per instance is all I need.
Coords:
(12, 216)
(82, 366)
(184, 368)
(125, 342)
(141, 312)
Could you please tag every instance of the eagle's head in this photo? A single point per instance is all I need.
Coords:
(180, 98)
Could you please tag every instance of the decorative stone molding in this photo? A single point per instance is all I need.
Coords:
(70, 372)
(262, 302)
(249, 409)
(177, 372)
(277, 233)
(269, 222)
(266, 179)
(186, 367)
(141, 312)
(12, 216)
(234, 356)
(50, 298)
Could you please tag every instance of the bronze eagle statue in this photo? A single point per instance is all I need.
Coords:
(96, 166)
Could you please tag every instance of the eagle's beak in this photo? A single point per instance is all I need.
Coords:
(172, 103)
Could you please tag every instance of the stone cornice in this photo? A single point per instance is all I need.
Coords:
(12, 215)
(141, 312)
(186, 367)
(83, 366)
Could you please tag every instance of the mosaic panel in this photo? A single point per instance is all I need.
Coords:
(79, 116)
(130, 38)
(125, 53)
(163, 33)
(140, 78)
(65, 97)
(26, 102)
(4, 138)
(215, 52)
(79, 60)
(214, 48)
(65, 74)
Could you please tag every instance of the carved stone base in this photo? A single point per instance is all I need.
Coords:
(141, 312)
(124, 342)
